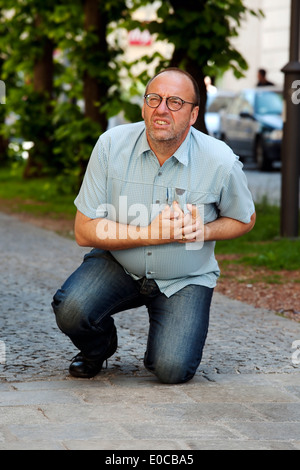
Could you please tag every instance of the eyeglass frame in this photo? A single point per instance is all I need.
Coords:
(167, 99)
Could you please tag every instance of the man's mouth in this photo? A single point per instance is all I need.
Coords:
(161, 122)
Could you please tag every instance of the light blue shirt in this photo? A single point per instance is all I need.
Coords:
(125, 182)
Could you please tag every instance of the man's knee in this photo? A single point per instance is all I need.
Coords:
(171, 371)
(67, 311)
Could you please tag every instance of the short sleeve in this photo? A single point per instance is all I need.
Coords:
(236, 199)
(93, 189)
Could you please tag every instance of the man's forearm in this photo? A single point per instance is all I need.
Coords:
(109, 235)
(168, 227)
(225, 228)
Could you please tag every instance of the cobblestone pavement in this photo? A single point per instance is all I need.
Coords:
(246, 348)
(35, 262)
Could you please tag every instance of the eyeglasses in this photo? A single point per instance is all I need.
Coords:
(174, 103)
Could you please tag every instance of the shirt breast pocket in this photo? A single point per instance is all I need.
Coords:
(206, 202)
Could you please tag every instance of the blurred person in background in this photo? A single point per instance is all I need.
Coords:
(262, 78)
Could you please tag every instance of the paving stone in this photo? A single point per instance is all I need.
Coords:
(191, 431)
(273, 431)
(241, 445)
(280, 412)
(130, 444)
(36, 397)
(59, 432)
(241, 394)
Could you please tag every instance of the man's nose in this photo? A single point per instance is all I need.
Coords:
(163, 106)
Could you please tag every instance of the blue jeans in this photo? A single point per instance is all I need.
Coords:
(100, 287)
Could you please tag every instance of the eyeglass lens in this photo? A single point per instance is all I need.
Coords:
(174, 103)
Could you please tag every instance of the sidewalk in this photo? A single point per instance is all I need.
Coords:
(246, 394)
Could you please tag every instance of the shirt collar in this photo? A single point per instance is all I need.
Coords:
(144, 146)
(181, 154)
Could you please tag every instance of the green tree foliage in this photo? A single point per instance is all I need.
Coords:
(90, 78)
(201, 32)
(3, 139)
(62, 74)
(28, 71)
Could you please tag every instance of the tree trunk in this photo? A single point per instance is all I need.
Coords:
(43, 72)
(3, 149)
(95, 21)
(193, 69)
(180, 56)
(198, 75)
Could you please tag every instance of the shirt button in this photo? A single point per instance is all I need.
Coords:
(149, 253)
(159, 173)
(157, 201)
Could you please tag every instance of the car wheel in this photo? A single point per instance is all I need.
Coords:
(263, 163)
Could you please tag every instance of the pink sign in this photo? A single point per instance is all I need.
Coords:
(139, 38)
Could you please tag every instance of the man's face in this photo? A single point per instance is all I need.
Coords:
(163, 125)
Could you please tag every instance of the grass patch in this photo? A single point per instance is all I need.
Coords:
(38, 197)
(263, 247)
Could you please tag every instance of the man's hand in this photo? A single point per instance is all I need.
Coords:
(194, 220)
(175, 226)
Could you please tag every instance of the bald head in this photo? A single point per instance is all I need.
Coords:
(175, 70)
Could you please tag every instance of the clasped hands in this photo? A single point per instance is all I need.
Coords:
(174, 225)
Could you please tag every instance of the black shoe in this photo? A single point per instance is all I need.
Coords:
(87, 368)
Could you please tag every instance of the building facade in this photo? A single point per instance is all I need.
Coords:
(264, 43)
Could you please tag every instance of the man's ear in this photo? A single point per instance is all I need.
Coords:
(194, 115)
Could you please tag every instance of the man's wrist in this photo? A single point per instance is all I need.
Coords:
(207, 232)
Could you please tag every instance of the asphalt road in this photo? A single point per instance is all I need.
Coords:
(265, 186)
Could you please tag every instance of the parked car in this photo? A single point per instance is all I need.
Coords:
(216, 103)
(253, 125)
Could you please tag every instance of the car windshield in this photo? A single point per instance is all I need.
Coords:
(269, 102)
(215, 103)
